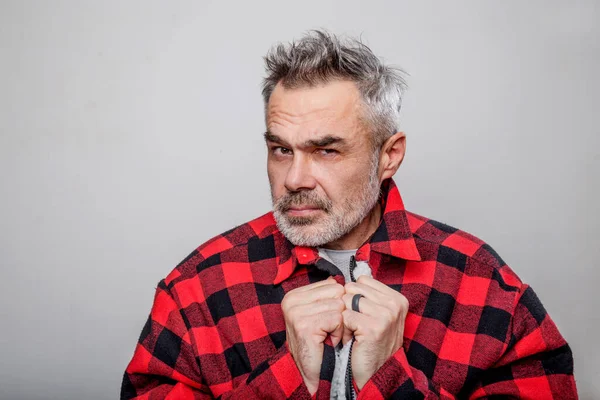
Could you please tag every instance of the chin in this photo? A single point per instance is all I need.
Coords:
(308, 236)
(307, 231)
(306, 242)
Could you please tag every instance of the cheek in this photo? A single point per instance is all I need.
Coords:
(343, 180)
(337, 182)
(276, 179)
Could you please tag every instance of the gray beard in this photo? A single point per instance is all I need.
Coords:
(337, 222)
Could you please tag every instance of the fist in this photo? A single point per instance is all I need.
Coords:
(311, 313)
(378, 328)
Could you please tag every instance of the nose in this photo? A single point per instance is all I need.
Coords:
(299, 175)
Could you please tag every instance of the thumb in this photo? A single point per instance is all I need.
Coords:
(337, 334)
(350, 319)
(350, 324)
(347, 335)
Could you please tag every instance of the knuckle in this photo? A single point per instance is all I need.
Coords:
(290, 318)
(388, 317)
(392, 303)
(323, 304)
(339, 290)
(287, 299)
(287, 306)
(399, 302)
(347, 299)
(404, 304)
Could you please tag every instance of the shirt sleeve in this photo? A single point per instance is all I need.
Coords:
(537, 364)
(165, 366)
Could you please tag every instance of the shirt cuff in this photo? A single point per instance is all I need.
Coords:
(282, 376)
(391, 375)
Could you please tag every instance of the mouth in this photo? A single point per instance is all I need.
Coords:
(302, 211)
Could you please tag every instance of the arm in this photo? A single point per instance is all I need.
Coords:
(537, 364)
(165, 366)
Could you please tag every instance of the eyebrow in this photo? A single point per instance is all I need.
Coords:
(320, 142)
(271, 137)
(324, 141)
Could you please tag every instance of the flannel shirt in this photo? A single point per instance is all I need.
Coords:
(473, 329)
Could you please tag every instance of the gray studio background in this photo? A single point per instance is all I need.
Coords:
(130, 133)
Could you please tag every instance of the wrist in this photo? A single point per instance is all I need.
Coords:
(311, 386)
(360, 380)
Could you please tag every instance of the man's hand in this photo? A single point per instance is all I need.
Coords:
(311, 313)
(378, 329)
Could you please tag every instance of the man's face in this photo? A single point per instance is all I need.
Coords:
(321, 166)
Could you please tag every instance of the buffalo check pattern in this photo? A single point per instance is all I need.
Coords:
(473, 329)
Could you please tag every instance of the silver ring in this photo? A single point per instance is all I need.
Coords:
(355, 300)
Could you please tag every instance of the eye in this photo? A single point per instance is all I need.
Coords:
(281, 151)
(328, 152)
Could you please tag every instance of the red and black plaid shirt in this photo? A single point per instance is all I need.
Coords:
(473, 329)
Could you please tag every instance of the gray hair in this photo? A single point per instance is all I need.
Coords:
(320, 57)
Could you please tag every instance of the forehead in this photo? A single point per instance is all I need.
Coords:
(332, 107)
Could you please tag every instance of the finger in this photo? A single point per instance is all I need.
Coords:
(310, 296)
(328, 322)
(317, 307)
(365, 306)
(328, 281)
(321, 293)
(356, 322)
(375, 284)
(347, 335)
(337, 334)
(367, 291)
(390, 298)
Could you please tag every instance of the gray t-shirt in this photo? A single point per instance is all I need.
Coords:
(341, 259)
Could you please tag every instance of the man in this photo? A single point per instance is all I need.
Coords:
(340, 292)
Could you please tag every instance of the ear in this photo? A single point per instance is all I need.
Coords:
(392, 155)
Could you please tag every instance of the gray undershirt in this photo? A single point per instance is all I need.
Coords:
(341, 259)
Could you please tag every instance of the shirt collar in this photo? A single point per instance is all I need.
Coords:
(392, 237)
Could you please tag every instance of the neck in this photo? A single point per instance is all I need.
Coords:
(359, 235)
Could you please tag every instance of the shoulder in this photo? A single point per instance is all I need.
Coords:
(210, 252)
(454, 247)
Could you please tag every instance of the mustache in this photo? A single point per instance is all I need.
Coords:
(303, 198)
